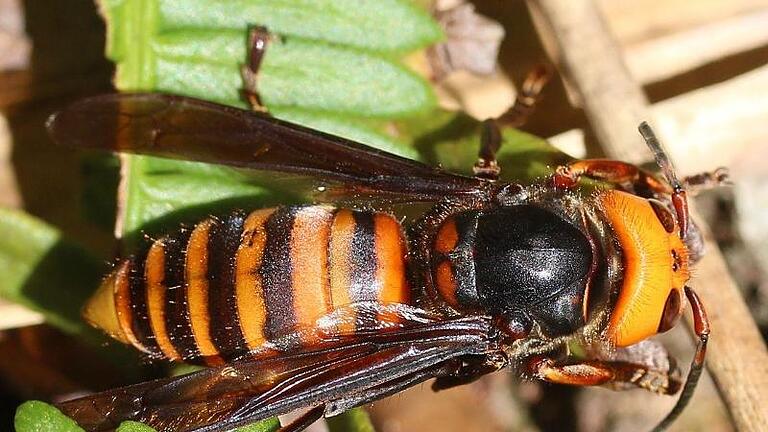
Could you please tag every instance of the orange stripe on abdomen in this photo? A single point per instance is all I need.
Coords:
(123, 302)
(339, 247)
(197, 288)
(368, 259)
(390, 260)
(309, 264)
(251, 305)
(156, 293)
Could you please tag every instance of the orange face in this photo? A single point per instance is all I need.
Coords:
(655, 269)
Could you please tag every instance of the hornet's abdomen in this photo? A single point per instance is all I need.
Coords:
(229, 286)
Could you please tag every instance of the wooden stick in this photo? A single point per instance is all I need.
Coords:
(738, 359)
(591, 62)
(669, 55)
(614, 103)
(727, 119)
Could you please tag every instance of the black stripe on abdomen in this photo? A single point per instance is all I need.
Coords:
(177, 319)
(140, 324)
(223, 242)
(275, 273)
(362, 259)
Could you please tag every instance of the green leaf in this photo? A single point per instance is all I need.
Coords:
(131, 24)
(451, 140)
(525, 157)
(44, 272)
(379, 25)
(210, 81)
(217, 46)
(354, 420)
(36, 416)
(269, 425)
(204, 62)
(132, 426)
(179, 369)
(318, 77)
(159, 188)
(296, 72)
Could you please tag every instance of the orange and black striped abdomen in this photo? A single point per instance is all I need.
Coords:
(239, 284)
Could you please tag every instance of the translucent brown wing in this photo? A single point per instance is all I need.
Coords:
(184, 128)
(355, 369)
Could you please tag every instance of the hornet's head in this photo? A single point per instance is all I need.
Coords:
(655, 270)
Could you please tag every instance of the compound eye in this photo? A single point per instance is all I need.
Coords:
(671, 312)
(664, 214)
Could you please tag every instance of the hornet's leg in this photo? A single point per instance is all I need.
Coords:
(599, 372)
(258, 40)
(527, 98)
(490, 142)
(623, 174)
(610, 171)
(701, 328)
(707, 180)
(642, 183)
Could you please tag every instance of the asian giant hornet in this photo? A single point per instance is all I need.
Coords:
(325, 307)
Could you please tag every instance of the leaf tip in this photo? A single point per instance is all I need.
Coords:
(37, 416)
